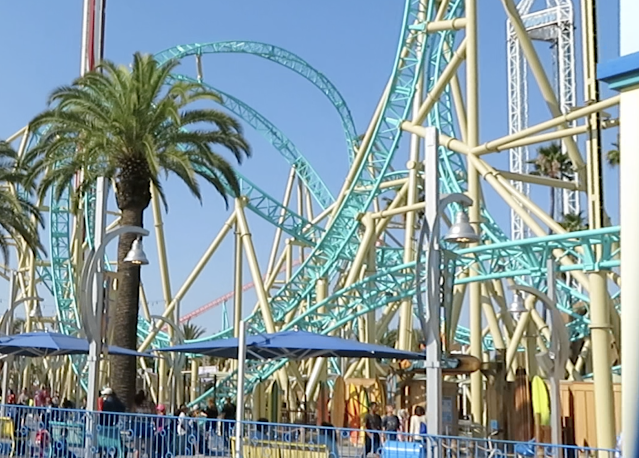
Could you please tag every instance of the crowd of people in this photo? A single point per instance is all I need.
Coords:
(393, 426)
(40, 397)
(187, 431)
(148, 429)
(202, 429)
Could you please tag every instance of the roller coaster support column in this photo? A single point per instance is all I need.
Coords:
(474, 191)
(599, 303)
(319, 373)
(260, 290)
(165, 279)
(237, 287)
(176, 359)
(239, 414)
(622, 74)
(406, 308)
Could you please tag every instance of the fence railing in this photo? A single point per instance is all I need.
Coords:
(60, 433)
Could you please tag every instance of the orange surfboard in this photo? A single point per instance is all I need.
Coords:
(338, 403)
(352, 413)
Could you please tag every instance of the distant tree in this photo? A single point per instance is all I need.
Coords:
(574, 222)
(613, 156)
(192, 331)
(391, 337)
(552, 162)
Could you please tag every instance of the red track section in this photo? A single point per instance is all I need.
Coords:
(220, 300)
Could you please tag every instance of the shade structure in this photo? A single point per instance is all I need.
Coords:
(293, 345)
(36, 344)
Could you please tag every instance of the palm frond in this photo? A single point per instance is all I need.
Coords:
(19, 216)
(113, 117)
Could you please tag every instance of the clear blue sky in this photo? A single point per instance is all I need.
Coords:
(352, 42)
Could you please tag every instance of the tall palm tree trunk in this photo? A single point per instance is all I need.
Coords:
(123, 368)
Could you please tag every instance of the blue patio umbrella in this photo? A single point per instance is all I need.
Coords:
(286, 344)
(293, 345)
(35, 344)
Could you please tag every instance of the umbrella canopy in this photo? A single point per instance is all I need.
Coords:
(37, 344)
(293, 345)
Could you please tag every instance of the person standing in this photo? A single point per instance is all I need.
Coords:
(41, 396)
(211, 415)
(23, 398)
(390, 423)
(372, 425)
(418, 425)
(111, 407)
(229, 411)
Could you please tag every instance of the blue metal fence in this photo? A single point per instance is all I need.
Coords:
(60, 433)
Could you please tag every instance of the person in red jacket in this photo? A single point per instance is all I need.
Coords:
(106, 391)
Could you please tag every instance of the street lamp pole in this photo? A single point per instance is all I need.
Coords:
(92, 310)
(460, 232)
(434, 392)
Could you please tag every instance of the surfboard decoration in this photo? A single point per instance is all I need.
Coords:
(273, 403)
(352, 412)
(338, 403)
(259, 401)
(322, 404)
(540, 400)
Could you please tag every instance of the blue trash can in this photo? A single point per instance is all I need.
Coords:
(397, 449)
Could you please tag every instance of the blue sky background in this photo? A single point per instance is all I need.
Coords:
(352, 42)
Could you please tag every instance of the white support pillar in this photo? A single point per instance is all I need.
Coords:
(622, 74)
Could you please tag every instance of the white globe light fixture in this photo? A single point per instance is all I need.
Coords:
(461, 231)
(136, 254)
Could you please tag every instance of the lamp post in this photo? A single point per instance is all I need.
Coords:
(559, 348)
(92, 311)
(460, 232)
(6, 325)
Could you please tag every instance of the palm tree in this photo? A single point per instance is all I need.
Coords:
(130, 127)
(552, 162)
(574, 222)
(19, 218)
(18, 326)
(613, 156)
(192, 331)
(391, 337)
